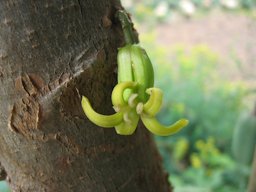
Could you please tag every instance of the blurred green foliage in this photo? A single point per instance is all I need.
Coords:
(244, 138)
(165, 10)
(200, 155)
(4, 187)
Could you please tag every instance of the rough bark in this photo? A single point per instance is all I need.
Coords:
(51, 53)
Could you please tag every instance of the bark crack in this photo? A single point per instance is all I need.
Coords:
(120, 188)
(80, 7)
(24, 116)
(3, 174)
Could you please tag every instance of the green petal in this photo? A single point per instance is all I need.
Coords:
(155, 127)
(128, 128)
(118, 92)
(154, 103)
(98, 119)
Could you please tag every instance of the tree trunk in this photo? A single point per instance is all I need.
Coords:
(51, 53)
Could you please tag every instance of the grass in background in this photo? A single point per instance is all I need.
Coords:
(199, 157)
(4, 187)
(205, 155)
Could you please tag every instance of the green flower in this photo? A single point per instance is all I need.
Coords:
(128, 112)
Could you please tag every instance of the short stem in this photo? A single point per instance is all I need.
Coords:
(126, 26)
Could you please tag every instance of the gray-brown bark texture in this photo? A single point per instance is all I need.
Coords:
(51, 53)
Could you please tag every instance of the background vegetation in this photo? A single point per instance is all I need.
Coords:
(212, 153)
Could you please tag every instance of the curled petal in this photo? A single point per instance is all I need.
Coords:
(139, 108)
(98, 119)
(116, 108)
(154, 103)
(126, 118)
(158, 129)
(132, 100)
(128, 127)
(119, 92)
